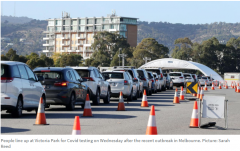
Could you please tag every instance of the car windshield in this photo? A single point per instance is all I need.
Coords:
(111, 75)
(187, 77)
(175, 74)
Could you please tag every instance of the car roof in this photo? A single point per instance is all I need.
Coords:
(83, 67)
(175, 72)
(51, 68)
(11, 62)
(113, 71)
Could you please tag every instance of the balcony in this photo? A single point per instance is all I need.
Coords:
(79, 50)
(65, 37)
(89, 50)
(80, 44)
(65, 44)
(47, 51)
(81, 37)
(47, 38)
(48, 44)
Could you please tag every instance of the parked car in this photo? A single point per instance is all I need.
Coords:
(169, 82)
(161, 78)
(147, 84)
(203, 80)
(195, 77)
(210, 81)
(63, 86)
(188, 77)
(98, 86)
(157, 81)
(121, 81)
(178, 79)
(134, 74)
(154, 86)
(20, 88)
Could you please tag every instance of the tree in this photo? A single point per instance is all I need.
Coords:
(32, 55)
(149, 47)
(48, 61)
(4, 58)
(69, 60)
(12, 55)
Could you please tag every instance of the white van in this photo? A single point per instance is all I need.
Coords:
(20, 88)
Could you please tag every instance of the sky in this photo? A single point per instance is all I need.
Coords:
(185, 12)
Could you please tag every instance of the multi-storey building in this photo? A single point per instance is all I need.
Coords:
(75, 35)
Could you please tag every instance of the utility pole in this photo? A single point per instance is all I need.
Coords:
(146, 59)
(123, 55)
(119, 54)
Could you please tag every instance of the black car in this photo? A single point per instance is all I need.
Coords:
(63, 86)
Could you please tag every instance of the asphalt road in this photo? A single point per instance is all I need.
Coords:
(171, 119)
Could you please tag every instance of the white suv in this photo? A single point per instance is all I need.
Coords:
(178, 79)
(20, 88)
(188, 77)
(99, 87)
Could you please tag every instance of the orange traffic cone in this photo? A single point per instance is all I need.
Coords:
(152, 127)
(176, 98)
(232, 85)
(238, 89)
(213, 86)
(87, 107)
(121, 106)
(226, 86)
(41, 118)
(220, 87)
(144, 100)
(76, 127)
(198, 92)
(205, 88)
(201, 94)
(194, 118)
(181, 94)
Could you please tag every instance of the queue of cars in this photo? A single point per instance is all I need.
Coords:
(22, 88)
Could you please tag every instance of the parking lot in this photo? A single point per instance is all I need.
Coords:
(171, 119)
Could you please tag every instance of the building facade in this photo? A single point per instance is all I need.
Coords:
(75, 35)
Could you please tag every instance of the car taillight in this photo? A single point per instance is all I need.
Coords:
(161, 75)
(144, 79)
(61, 84)
(125, 82)
(6, 79)
(152, 80)
(181, 77)
(89, 78)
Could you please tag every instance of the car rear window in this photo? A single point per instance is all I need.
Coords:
(113, 75)
(84, 73)
(155, 75)
(151, 70)
(203, 78)
(175, 74)
(149, 75)
(165, 75)
(140, 72)
(49, 75)
(5, 70)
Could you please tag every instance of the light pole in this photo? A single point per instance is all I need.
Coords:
(119, 55)
(146, 59)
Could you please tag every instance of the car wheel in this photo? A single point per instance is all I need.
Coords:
(106, 100)
(96, 99)
(130, 97)
(136, 95)
(17, 112)
(71, 104)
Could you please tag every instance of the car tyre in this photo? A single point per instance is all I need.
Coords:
(106, 100)
(130, 97)
(71, 104)
(17, 112)
(96, 99)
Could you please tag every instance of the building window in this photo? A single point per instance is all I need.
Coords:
(58, 22)
(82, 21)
(98, 21)
(74, 22)
(89, 21)
(122, 34)
(123, 27)
(105, 27)
(50, 23)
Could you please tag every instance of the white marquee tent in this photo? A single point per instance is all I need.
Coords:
(171, 63)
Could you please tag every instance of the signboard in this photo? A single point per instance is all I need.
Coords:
(192, 87)
(213, 107)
